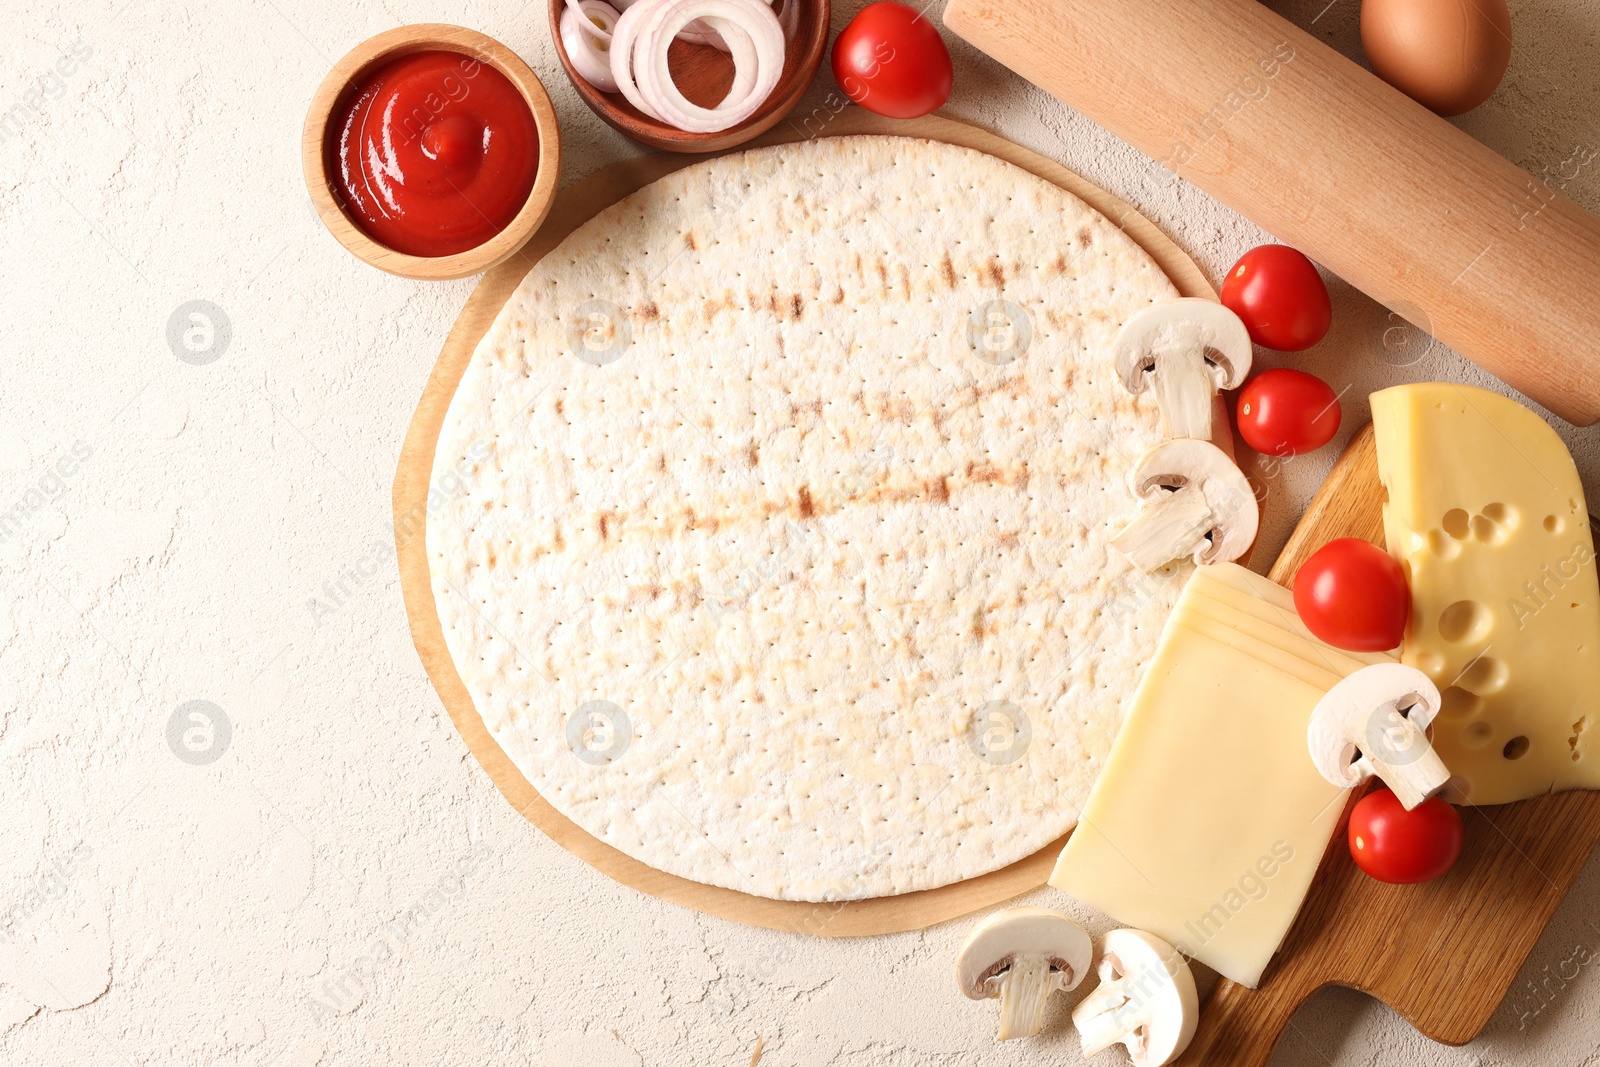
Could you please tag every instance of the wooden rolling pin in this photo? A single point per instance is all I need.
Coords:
(1332, 160)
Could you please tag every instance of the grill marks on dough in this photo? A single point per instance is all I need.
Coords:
(877, 275)
(981, 626)
(881, 274)
(791, 307)
(806, 416)
(783, 305)
(964, 481)
(990, 474)
(938, 490)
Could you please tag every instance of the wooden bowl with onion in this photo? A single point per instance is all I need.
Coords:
(703, 74)
(320, 167)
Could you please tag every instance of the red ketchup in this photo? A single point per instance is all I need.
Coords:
(435, 153)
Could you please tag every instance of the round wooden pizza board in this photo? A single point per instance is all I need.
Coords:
(573, 207)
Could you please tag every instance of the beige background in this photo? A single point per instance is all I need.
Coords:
(343, 884)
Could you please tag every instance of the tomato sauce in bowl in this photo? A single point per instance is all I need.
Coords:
(433, 153)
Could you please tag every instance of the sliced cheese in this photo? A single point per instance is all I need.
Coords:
(1329, 663)
(1288, 663)
(1209, 820)
(1486, 513)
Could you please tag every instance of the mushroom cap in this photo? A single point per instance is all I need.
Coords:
(1344, 719)
(1022, 931)
(1235, 512)
(1168, 1007)
(1186, 322)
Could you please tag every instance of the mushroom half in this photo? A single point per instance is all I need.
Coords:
(1375, 722)
(1197, 503)
(1184, 350)
(1146, 1000)
(1022, 955)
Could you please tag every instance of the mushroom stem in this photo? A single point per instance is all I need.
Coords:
(1408, 763)
(1186, 350)
(1415, 779)
(1375, 722)
(1146, 1000)
(1024, 990)
(1022, 955)
(1096, 1018)
(1184, 387)
(1171, 527)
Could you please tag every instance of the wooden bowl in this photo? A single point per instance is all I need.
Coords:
(703, 75)
(393, 44)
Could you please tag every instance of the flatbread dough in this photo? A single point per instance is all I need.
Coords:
(770, 518)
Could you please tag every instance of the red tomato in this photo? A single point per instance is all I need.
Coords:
(891, 60)
(1286, 412)
(1403, 847)
(1280, 297)
(1353, 595)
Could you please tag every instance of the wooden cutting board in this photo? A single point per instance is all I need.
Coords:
(1441, 954)
(575, 206)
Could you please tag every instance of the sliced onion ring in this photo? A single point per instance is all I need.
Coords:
(607, 17)
(789, 17)
(698, 32)
(739, 43)
(622, 56)
(588, 45)
(750, 29)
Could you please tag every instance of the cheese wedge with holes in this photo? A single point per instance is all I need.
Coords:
(1209, 820)
(1486, 513)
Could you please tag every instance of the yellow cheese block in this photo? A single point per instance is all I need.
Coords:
(1486, 513)
(1209, 820)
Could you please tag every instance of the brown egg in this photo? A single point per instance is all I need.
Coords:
(1447, 55)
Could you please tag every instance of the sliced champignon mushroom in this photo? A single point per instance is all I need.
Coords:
(1146, 1000)
(1374, 722)
(1197, 504)
(1185, 350)
(1022, 955)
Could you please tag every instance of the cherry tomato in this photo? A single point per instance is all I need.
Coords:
(1353, 595)
(1286, 412)
(891, 60)
(1280, 296)
(1403, 847)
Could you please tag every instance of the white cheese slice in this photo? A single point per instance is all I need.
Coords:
(1486, 513)
(1209, 820)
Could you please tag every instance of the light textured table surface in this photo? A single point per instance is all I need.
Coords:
(343, 885)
